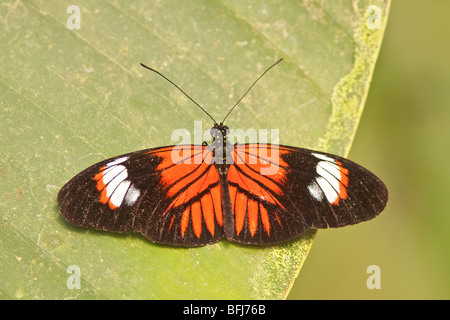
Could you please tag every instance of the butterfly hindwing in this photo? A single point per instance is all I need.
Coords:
(279, 192)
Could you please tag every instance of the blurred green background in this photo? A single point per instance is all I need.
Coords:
(403, 137)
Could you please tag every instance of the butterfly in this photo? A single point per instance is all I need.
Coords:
(194, 195)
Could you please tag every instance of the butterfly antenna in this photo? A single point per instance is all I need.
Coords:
(170, 81)
(251, 88)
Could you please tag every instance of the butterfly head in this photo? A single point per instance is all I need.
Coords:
(219, 132)
(219, 129)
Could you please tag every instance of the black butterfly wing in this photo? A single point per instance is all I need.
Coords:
(279, 192)
(90, 199)
(170, 194)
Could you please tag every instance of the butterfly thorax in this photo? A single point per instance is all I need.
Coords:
(220, 146)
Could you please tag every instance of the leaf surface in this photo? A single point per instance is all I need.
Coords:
(71, 98)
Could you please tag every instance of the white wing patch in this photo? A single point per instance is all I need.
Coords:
(113, 185)
(117, 161)
(328, 189)
(315, 191)
(132, 195)
(331, 180)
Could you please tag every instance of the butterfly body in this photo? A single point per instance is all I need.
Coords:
(221, 155)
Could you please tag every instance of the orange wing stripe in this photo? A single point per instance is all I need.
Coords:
(265, 218)
(177, 202)
(240, 210)
(252, 216)
(171, 222)
(197, 218)
(99, 178)
(255, 163)
(263, 156)
(190, 177)
(246, 183)
(101, 186)
(217, 201)
(208, 212)
(184, 221)
(343, 183)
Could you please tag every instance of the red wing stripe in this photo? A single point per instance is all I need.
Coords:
(171, 163)
(217, 201)
(276, 180)
(252, 216)
(265, 218)
(179, 178)
(208, 212)
(240, 209)
(281, 163)
(192, 184)
(253, 187)
(196, 211)
(185, 220)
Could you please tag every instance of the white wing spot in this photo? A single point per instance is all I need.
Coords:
(111, 173)
(322, 157)
(326, 187)
(330, 168)
(132, 195)
(315, 191)
(117, 161)
(119, 193)
(116, 180)
(323, 169)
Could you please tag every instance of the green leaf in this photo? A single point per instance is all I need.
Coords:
(70, 98)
